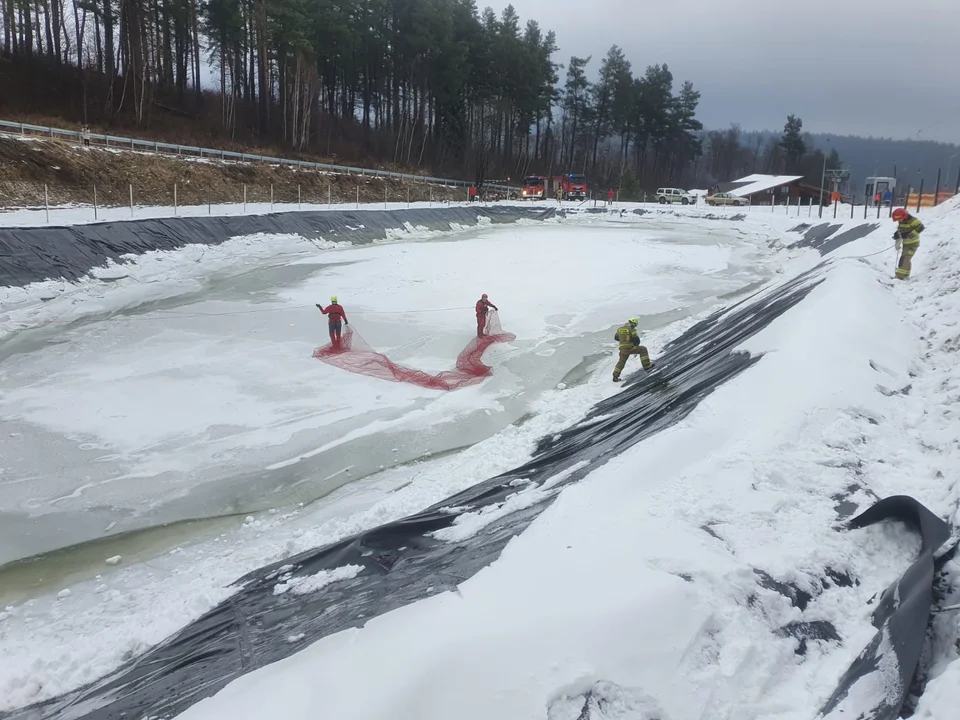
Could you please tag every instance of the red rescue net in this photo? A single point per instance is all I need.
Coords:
(355, 355)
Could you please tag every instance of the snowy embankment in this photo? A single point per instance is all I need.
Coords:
(112, 364)
(701, 571)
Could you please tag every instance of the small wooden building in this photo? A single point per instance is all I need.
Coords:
(773, 189)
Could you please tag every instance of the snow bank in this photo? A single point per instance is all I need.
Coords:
(699, 572)
(689, 570)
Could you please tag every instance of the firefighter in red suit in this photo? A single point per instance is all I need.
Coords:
(483, 306)
(337, 316)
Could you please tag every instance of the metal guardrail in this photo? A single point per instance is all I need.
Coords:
(157, 147)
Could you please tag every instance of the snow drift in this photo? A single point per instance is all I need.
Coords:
(697, 574)
(434, 552)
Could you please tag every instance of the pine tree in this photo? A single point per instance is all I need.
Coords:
(792, 143)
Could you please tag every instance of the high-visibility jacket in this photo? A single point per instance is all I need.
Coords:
(627, 337)
(335, 311)
(910, 230)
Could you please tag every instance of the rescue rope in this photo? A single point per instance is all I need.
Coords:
(860, 257)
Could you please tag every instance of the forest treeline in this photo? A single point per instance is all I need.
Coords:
(434, 84)
(431, 83)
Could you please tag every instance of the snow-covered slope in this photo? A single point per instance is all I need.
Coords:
(639, 586)
(706, 572)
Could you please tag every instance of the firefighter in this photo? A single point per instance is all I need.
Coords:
(483, 307)
(630, 345)
(337, 315)
(908, 233)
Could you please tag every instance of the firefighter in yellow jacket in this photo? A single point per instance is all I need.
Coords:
(630, 345)
(907, 234)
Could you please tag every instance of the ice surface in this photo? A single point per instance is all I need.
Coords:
(637, 589)
(686, 261)
(192, 391)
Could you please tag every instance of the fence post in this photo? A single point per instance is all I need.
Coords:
(131, 199)
(408, 197)
(244, 197)
(271, 197)
(209, 206)
(919, 195)
(810, 207)
(95, 201)
(298, 196)
(851, 203)
(46, 202)
(358, 197)
(384, 196)
(835, 204)
(431, 196)
(174, 198)
(329, 197)
(957, 191)
(936, 195)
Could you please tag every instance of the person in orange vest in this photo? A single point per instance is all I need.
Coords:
(337, 316)
(907, 235)
(483, 307)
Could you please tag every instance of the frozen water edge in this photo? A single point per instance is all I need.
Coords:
(180, 408)
(86, 646)
(65, 642)
(639, 580)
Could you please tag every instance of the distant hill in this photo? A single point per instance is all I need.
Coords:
(908, 160)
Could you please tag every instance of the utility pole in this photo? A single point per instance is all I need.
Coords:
(823, 177)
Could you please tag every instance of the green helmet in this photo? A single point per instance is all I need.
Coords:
(633, 321)
(333, 299)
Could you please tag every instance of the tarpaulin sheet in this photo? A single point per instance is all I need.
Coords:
(401, 562)
(33, 254)
(900, 617)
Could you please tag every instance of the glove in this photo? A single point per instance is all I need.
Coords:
(346, 322)
(896, 235)
(897, 244)
(319, 307)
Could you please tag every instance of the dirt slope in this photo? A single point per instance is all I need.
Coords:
(70, 173)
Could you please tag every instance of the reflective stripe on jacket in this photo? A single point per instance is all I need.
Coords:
(910, 230)
(627, 337)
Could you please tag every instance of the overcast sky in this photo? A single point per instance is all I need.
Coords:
(858, 67)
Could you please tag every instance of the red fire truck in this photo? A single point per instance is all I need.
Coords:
(534, 188)
(572, 186)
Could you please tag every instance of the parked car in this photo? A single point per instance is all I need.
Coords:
(725, 199)
(675, 195)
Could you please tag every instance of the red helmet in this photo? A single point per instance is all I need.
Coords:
(900, 214)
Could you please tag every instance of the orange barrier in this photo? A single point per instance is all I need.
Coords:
(927, 200)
